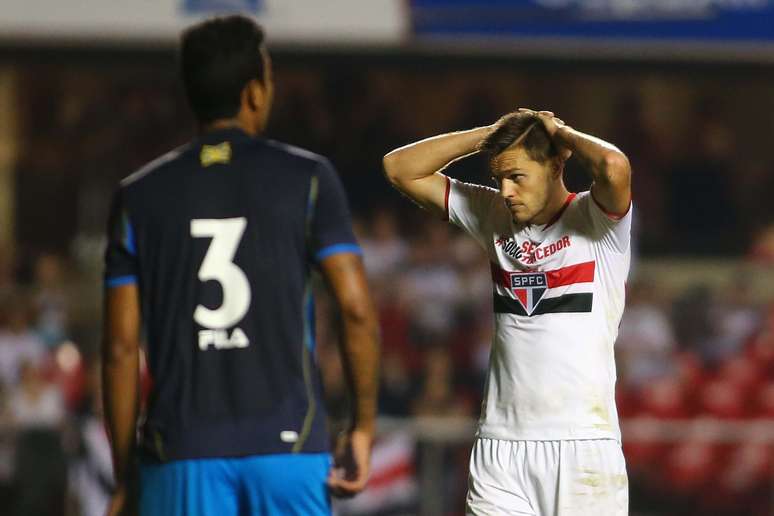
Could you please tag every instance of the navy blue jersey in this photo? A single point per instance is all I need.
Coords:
(221, 236)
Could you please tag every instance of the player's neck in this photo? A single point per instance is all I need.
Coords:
(553, 207)
(228, 123)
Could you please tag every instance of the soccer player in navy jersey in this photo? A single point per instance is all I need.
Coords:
(211, 249)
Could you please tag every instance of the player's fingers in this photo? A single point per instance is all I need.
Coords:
(344, 488)
(546, 113)
(115, 507)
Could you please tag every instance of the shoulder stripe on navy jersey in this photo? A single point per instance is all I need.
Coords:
(337, 248)
(120, 280)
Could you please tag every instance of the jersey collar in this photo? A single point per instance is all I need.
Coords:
(558, 215)
(231, 134)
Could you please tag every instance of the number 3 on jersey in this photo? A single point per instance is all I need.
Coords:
(219, 265)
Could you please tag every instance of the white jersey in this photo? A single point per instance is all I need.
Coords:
(558, 300)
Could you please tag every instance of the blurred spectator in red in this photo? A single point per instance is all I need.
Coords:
(734, 319)
(761, 346)
(396, 389)
(692, 312)
(747, 471)
(38, 413)
(90, 475)
(765, 402)
(384, 251)
(666, 398)
(18, 343)
(36, 403)
(475, 277)
(438, 396)
(646, 343)
(722, 399)
(762, 250)
(431, 286)
(50, 299)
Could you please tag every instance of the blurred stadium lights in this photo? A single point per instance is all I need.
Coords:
(709, 30)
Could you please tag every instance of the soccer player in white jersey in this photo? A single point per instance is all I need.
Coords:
(548, 441)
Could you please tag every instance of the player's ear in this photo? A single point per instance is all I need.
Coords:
(255, 95)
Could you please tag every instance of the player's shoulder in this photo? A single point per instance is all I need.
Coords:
(472, 195)
(154, 167)
(579, 203)
(585, 204)
(296, 156)
(463, 186)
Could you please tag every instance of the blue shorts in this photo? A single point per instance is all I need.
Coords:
(258, 485)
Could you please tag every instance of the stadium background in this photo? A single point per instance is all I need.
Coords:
(88, 94)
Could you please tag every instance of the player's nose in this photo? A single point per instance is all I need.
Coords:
(506, 192)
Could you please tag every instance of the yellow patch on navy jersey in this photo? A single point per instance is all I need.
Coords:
(212, 154)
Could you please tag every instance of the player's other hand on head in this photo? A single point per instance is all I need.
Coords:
(352, 463)
(552, 124)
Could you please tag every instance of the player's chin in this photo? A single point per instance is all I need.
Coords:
(520, 215)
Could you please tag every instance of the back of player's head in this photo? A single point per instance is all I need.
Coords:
(218, 57)
(524, 129)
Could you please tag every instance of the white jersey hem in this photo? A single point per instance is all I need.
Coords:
(502, 434)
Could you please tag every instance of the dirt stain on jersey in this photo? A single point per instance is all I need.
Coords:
(600, 410)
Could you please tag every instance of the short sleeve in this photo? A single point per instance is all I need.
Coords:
(472, 208)
(331, 222)
(121, 253)
(614, 230)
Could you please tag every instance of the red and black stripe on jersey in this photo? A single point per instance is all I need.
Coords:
(529, 297)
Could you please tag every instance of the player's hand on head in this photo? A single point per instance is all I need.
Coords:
(550, 121)
(352, 464)
(552, 124)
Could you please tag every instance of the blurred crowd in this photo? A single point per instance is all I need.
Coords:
(702, 173)
(54, 456)
(702, 177)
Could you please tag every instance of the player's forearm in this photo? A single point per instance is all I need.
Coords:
(426, 157)
(604, 161)
(120, 384)
(360, 356)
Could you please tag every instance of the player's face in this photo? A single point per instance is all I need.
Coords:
(525, 184)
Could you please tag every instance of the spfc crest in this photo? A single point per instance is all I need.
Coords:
(529, 287)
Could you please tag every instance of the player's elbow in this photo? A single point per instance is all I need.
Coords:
(119, 351)
(616, 167)
(357, 311)
(392, 166)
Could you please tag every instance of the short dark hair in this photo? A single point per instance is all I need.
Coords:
(218, 57)
(537, 143)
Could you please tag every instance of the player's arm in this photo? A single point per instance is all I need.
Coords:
(608, 166)
(120, 385)
(416, 169)
(359, 348)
